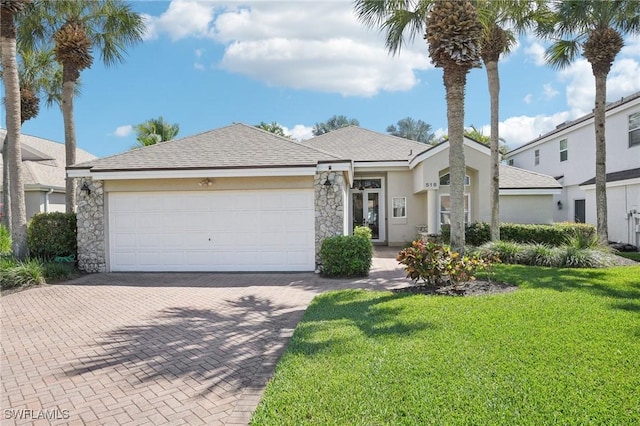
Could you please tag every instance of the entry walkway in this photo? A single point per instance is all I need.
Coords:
(155, 348)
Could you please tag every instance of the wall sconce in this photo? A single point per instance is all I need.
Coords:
(327, 183)
(85, 188)
(205, 182)
(559, 205)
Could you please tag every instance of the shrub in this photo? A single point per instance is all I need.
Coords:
(22, 274)
(346, 256)
(56, 271)
(506, 251)
(5, 241)
(581, 240)
(541, 255)
(433, 263)
(362, 231)
(586, 258)
(52, 234)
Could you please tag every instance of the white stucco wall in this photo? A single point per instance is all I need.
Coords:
(536, 209)
(622, 200)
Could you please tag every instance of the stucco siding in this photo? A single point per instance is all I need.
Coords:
(526, 209)
(621, 202)
(401, 230)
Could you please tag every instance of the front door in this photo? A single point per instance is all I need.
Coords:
(579, 211)
(367, 207)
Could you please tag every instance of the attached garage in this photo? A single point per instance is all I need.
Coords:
(248, 230)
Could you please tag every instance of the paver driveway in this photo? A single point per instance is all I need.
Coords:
(153, 349)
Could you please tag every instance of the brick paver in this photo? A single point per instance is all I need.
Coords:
(154, 348)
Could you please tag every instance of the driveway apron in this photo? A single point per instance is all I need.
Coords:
(155, 348)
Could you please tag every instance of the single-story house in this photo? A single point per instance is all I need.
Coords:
(243, 199)
(43, 166)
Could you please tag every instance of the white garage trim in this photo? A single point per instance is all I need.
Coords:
(250, 230)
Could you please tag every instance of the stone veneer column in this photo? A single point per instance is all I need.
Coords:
(91, 238)
(330, 209)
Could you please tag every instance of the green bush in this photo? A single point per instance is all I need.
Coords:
(18, 274)
(476, 234)
(52, 234)
(506, 251)
(56, 271)
(433, 263)
(541, 255)
(5, 241)
(362, 231)
(544, 255)
(346, 256)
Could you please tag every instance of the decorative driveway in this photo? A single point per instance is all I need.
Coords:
(154, 348)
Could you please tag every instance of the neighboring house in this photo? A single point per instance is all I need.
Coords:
(242, 199)
(568, 153)
(43, 166)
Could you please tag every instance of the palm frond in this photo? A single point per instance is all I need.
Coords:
(562, 53)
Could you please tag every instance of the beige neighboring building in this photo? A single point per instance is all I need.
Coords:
(43, 166)
(242, 199)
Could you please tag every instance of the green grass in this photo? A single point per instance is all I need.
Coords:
(565, 349)
(14, 273)
(633, 255)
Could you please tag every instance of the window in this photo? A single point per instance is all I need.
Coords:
(445, 209)
(362, 184)
(564, 151)
(399, 207)
(536, 157)
(446, 179)
(634, 129)
(510, 162)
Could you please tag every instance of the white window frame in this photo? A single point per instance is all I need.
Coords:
(510, 162)
(401, 204)
(536, 157)
(634, 129)
(467, 212)
(565, 150)
(467, 180)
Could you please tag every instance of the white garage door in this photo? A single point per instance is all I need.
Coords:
(262, 230)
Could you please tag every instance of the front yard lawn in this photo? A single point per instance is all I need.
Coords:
(564, 349)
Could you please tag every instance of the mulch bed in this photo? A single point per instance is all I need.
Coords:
(469, 288)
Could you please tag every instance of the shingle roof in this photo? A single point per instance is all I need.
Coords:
(358, 144)
(234, 146)
(515, 178)
(44, 161)
(617, 176)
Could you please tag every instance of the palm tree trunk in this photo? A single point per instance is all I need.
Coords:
(68, 87)
(6, 191)
(454, 81)
(14, 153)
(494, 194)
(601, 158)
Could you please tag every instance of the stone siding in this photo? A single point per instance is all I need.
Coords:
(91, 237)
(330, 209)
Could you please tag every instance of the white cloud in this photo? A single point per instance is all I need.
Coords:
(299, 132)
(198, 53)
(527, 99)
(549, 92)
(123, 131)
(198, 66)
(535, 51)
(304, 45)
(518, 130)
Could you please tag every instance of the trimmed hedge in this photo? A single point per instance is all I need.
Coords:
(52, 234)
(346, 256)
(554, 235)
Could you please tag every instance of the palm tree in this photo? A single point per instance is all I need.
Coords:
(272, 127)
(155, 130)
(334, 123)
(40, 76)
(76, 28)
(596, 29)
(8, 11)
(415, 130)
(453, 35)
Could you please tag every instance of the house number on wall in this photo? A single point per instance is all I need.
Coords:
(431, 185)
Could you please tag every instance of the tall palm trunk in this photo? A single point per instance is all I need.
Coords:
(494, 194)
(454, 81)
(68, 87)
(6, 191)
(13, 149)
(601, 158)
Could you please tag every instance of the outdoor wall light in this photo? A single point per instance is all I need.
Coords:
(85, 188)
(559, 205)
(327, 183)
(205, 182)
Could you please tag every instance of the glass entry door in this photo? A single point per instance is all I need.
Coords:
(367, 209)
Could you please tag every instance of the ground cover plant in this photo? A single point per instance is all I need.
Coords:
(564, 349)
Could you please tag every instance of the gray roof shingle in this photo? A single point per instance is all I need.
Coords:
(515, 178)
(360, 144)
(234, 146)
(44, 161)
(617, 176)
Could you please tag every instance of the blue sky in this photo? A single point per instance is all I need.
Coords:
(205, 65)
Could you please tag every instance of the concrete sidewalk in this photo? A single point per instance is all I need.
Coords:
(155, 348)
